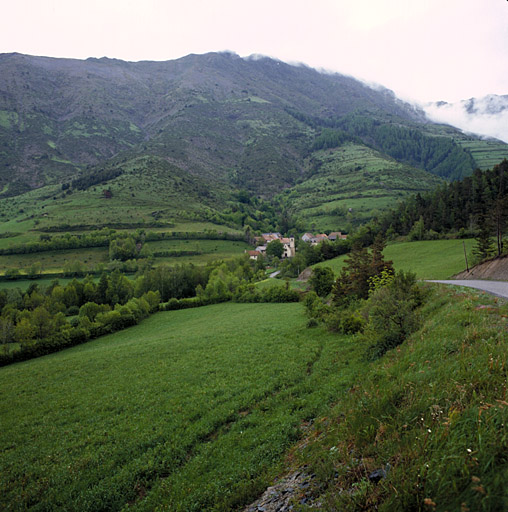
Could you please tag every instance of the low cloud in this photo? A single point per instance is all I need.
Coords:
(486, 116)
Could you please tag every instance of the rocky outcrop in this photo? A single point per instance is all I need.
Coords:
(285, 494)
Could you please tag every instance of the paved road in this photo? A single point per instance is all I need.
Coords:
(499, 288)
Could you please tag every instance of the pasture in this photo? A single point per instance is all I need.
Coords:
(190, 410)
(429, 259)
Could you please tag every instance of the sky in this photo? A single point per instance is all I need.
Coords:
(424, 50)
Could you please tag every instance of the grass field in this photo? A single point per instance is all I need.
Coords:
(430, 259)
(94, 257)
(55, 260)
(190, 410)
(23, 284)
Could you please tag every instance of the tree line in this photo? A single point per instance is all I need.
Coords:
(474, 206)
(42, 320)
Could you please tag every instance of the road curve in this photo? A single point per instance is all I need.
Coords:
(498, 288)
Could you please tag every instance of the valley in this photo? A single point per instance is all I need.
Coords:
(150, 362)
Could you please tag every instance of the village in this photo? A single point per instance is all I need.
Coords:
(288, 243)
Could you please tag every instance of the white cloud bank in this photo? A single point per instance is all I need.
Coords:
(486, 116)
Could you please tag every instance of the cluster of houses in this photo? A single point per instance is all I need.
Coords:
(262, 241)
(289, 243)
(316, 239)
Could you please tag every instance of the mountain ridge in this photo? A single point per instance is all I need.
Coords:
(246, 122)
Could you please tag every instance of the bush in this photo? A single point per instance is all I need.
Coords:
(392, 315)
(322, 280)
(345, 322)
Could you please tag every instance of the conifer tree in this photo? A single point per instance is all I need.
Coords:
(484, 247)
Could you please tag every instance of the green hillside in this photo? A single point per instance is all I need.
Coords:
(486, 153)
(349, 185)
(430, 259)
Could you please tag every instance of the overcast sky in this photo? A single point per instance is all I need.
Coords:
(424, 50)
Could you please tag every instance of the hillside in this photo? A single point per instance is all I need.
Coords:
(248, 123)
(148, 434)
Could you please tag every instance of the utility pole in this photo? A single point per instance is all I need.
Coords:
(465, 255)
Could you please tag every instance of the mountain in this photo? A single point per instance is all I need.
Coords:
(214, 115)
(204, 128)
(487, 116)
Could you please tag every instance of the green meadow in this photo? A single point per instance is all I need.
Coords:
(190, 410)
(429, 259)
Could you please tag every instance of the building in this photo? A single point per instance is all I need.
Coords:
(266, 238)
(289, 247)
(336, 235)
(254, 255)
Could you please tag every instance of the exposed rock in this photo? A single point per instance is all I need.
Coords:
(377, 475)
(495, 269)
(283, 495)
(305, 275)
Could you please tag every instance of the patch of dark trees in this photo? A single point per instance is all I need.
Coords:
(476, 205)
(94, 178)
(438, 155)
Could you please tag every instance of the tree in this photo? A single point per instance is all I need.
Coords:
(499, 215)
(122, 249)
(24, 331)
(484, 247)
(6, 330)
(42, 322)
(354, 279)
(275, 249)
(418, 230)
(321, 280)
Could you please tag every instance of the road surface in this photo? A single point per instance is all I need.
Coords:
(498, 288)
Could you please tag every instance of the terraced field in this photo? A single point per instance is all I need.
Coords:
(487, 153)
(350, 184)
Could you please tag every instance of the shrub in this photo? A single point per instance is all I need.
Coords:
(392, 315)
(322, 280)
(345, 321)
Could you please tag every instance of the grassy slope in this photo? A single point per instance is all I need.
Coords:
(433, 413)
(486, 153)
(353, 177)
(191, 409)
(194, 410)
(150, 189)
(430, 259)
